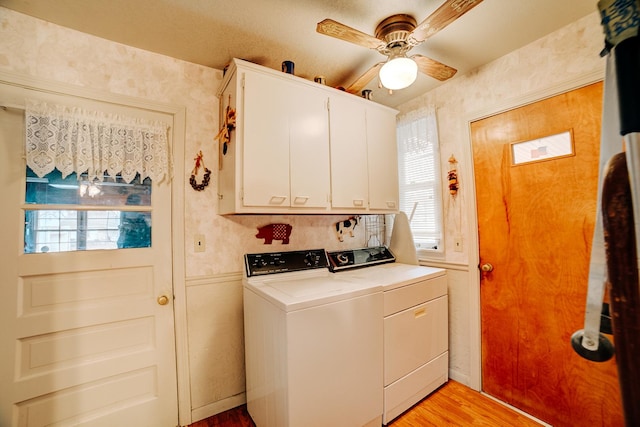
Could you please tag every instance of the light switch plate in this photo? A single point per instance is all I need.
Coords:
(457, 243)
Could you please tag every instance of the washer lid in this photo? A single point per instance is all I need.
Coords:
(295, 293)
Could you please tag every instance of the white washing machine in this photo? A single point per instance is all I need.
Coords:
(416, 357)
(313, 343)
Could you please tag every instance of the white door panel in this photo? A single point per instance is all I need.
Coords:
(83, 339)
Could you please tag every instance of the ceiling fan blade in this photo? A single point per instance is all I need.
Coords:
(443, 16)
(433, 68)
(332, 28)
(363, 80)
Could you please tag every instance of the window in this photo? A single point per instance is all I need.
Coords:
(63, 215)
(420, 181)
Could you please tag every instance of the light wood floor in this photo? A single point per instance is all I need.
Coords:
(452, 405)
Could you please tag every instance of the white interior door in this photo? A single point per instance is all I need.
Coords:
(83, 338)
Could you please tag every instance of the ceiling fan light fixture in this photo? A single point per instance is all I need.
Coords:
(398, 72)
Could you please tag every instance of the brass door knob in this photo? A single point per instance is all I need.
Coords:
(486, 267)
(163, 300)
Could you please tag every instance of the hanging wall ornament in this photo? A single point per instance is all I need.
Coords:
(452, 176)
(207, 174)
(228, 124)
(271, 232)
(346, 227)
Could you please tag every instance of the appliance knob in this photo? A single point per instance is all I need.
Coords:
(310, 260)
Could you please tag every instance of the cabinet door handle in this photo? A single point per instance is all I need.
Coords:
(277, 200)
(300, 200)
(358, 202)
(391, 204)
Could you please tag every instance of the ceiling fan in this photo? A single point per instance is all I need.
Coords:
(394, 37)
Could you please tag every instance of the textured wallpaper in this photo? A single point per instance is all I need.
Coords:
(39, 49)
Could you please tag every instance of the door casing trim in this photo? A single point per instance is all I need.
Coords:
(177, 215)
(475, 327)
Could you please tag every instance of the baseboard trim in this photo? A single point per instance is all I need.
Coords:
(514, 409)
(214, 408)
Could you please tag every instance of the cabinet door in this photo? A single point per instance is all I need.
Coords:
(349, 182)
(266, 141)
(383, 159)
(309, 149)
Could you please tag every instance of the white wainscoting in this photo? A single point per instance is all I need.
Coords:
(461, 321)
(216, 344)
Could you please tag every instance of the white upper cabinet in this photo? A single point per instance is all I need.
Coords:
(265, 174)
(301, 147)
(286, 154)
(382, 159)
(309, 149)
(349, 176)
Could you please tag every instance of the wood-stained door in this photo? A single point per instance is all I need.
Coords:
(536, 223)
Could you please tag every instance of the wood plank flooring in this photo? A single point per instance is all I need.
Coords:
(452, 405)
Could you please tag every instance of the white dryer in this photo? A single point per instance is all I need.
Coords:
(416, 357)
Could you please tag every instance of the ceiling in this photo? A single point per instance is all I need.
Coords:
(211, 32)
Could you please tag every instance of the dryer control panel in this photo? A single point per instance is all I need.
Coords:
(284, 262)
(357, 258)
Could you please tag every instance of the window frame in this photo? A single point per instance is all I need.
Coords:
(55, 196)
(421, 131)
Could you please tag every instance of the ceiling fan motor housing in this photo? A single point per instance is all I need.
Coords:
(395, 31)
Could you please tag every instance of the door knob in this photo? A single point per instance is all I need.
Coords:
(163, 300)
(486, 267)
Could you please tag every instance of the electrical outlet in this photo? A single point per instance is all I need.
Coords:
(198, 243)
(457, 243)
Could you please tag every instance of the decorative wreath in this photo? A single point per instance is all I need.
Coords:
(229, 123)
(207, 174)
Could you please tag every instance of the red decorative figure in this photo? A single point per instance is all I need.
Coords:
(273, 232)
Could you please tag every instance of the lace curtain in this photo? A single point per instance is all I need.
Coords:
(76, 140)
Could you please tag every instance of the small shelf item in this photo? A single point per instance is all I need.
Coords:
(207, 173)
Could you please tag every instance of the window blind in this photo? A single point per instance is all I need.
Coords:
(419, 179)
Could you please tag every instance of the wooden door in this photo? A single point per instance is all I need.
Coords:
(83, 338)
(536, 223)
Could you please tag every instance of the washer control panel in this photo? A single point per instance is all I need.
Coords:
(284, 262)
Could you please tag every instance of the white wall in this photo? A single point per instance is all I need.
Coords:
(49, 53)
(34, 48)
(554, 63)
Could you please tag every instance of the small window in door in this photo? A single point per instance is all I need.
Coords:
(72, 214)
